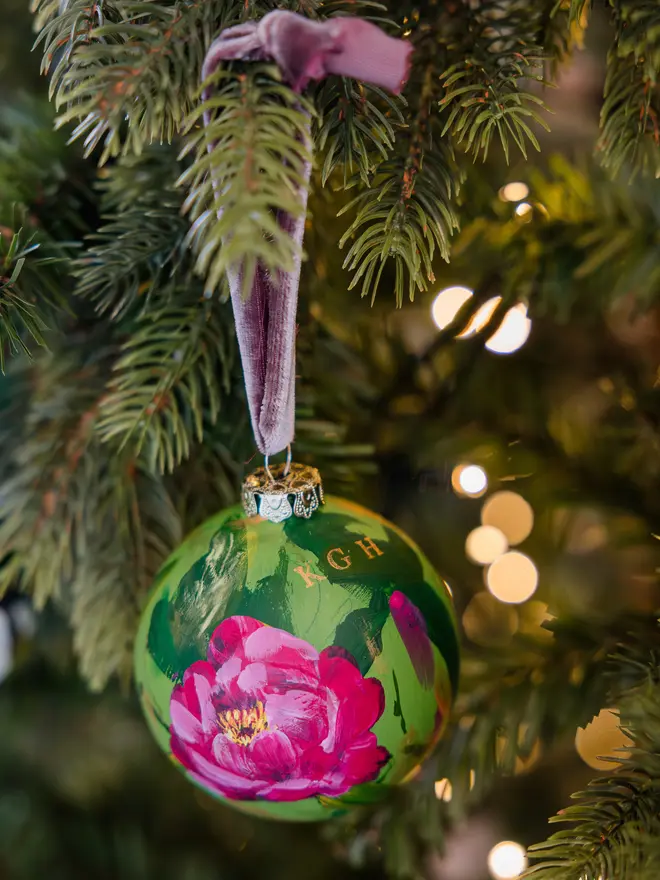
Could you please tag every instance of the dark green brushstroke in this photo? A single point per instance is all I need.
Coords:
(171, 656)
(269, 601)
(398, 711)
(360, 632)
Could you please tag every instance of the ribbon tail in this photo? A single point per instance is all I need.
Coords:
(304, 50)
(277, 417)
(266, 331)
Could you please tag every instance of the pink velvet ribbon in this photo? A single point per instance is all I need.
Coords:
(304, 50)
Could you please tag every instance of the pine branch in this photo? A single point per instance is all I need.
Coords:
(138, 255)
(357, 128)
(259, 148)
(500, 48)
(168, 382)
(82, 524)
(639, 34)
(115, 565)
(538, 691)
(39, 506)
(630, 128)
(617, 818)
(127, 71)
(558, 257)
(29, 292)
(407, 211)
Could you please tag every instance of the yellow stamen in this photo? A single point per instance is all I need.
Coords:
(242, 725)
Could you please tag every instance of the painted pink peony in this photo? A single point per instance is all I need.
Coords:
(269, 717)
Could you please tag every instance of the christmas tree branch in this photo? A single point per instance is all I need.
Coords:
(357, 128)
(29, 292)
(616, 819)
(168, 382)
(630, 127)
(258, 140)
(407, 212)
(126, 71)
(501, 48)
(115, 565)
(134, 259)
(536, 692)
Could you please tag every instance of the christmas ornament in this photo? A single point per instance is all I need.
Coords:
(299, 655)
(298, 665)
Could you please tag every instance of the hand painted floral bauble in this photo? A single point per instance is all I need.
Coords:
(296, 668)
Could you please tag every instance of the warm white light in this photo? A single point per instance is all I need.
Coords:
(523, 209)
(600, 739)
(511, 514)
(6, 648)
(469, 479)
(512, 578)
(507, 860)
(443, 790)
(447, 304)
(485, 544)
(481, 318)
(514, 192)
(512, 332)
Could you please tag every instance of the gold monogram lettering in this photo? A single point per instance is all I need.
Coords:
(334, 563)
(369, 548)
(308, 575)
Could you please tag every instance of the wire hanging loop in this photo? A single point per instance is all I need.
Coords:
(287, 466)
(287, 490)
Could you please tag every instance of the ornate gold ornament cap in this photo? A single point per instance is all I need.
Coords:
(282, 491)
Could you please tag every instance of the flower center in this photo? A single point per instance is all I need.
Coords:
(242, 725)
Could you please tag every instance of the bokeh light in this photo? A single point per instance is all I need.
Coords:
(485, 544)
(602, 739)
(481, 318)
(469, 479)
(515, 191)
(507, 860)
(447, 304)
(443, 790)
(512, 578)
(524, 209)
(511, 514)
(512, 332)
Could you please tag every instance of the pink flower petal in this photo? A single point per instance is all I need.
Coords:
(290, 661)
(230, 756)
(229, 636)
(222, 781)
(184, 723)
(360, 763)
(290, 790)
(195, 693)
(226, 678)
(301, 715)
(273, 756)
(253, 679)
(338, 673)
(414, 633)
(361, 701)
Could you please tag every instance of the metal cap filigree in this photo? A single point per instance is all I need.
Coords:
(282, 491)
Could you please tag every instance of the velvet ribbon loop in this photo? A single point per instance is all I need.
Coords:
(304, 50)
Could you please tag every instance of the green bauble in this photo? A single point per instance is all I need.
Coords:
(295, 669)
